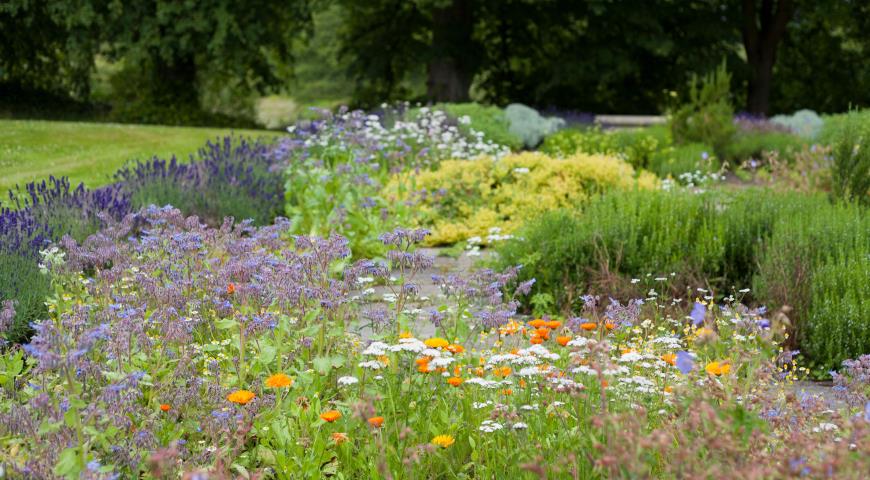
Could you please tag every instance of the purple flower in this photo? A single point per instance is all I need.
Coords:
(867, 412)
(699, 311)
(685, 363)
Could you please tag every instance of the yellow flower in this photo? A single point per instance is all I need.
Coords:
(279, 380)
(241, 396)
(405, 335)
(716, 368)
(436, 342)
(443, 441)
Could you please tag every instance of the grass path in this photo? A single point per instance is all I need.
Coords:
(91, 152)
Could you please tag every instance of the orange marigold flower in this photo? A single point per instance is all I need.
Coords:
(455, 348)
(479, 371)
(507, 391)
(422, 361)
(563, 340)
(376, 421)
(536, 340)
(669, 389)
(165, 407)
(330, 416)
(554, 324)
(231, 288)
(522, 383)
(502, 371)
(538, 323)
(609, 326)
(604, 384)
(385, 360)
(339, 438)
(443, 441)
(436, 342)
(588, 326)
(457, 370)
(279, 380)
(670, 358)
(716, 368)
(543, 333)
(424, 368)
(455, 381)
(241, 396)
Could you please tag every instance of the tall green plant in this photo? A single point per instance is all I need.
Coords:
(851, 168)
(707, 116)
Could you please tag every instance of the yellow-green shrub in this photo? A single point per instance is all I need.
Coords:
(466, 198)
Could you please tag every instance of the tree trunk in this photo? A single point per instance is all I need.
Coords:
(762, 31)
(451, 66)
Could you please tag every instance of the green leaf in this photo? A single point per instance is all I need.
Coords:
(67, 463)
(225, 324)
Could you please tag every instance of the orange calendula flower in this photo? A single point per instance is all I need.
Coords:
(241, 396)
(455, 348)
(604, 384)
(588, 326)
(422, 361)
(436, 342)
(385, 360)
(231, 288)
(279, 380)
(424, 368)
(376, 421)
(165, 407)
(522, 383)
(543, 333)
(562, 340)
(455, 381)
(670, 358)
(457, 370)
(536, 340)
(716, 368)
(538, 323)
(502, 371)
(554, 324)
(609, 326)
(330, 416)
(507, 391)
(339, 438)
(443, 441)
(669, 389)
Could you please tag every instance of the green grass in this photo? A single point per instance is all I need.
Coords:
(91, 152)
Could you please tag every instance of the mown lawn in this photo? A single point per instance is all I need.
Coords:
(91, 152)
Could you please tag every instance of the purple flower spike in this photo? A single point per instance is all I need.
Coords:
(699, 311)
(867, 412)
(685, 362)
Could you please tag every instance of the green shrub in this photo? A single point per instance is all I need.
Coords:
(777, 243)
(707, 117)
(487, 119)
(751, 145)
(850, 172)
(28, 287)
(680, 159)
(527, 124)
(804, 123)
(835, 124)
(635, 146)
(810, 236)
(838, 319)
(467, 198)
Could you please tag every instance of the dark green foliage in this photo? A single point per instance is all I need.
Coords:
(24, 283)
(707, 115)
(776, 243)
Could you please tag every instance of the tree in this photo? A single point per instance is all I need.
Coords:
(179, 53)
(763, 30)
